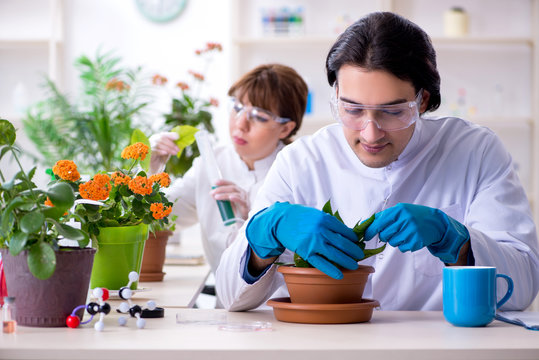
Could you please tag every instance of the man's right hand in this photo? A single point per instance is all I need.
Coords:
(317, 237)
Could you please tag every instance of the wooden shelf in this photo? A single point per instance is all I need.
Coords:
(282, 40)
(323, 40)
(502, 120)
(23, 43)
(480, 40)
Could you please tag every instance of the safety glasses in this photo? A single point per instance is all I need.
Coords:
(386, 117)
(256, 115)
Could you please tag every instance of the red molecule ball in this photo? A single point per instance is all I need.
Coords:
(105, 294)
(72, 321)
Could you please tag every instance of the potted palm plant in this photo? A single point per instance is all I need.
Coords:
(92, 129)
(47, 279)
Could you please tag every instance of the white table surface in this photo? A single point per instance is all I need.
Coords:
(180, 286)
(389, 335)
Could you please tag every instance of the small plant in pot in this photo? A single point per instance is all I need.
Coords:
(46, 279)
(319, 288)
(155, 251)
(318, 298)
(117, 209)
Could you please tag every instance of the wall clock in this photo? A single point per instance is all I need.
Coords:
(161, 10)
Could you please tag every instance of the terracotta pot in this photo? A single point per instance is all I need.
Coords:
(311, 286)
(154, 256)
(47, 303)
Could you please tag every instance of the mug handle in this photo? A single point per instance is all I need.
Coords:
(509, 290)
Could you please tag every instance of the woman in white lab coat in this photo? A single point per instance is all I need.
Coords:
(444, 190)
(266, 109)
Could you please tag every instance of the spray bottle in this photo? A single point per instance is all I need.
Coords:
(214, 174)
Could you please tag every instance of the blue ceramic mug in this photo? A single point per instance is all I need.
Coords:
(469, 294)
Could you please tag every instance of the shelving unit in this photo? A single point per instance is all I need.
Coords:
(30, 47)
(490, 76)
(31, 42)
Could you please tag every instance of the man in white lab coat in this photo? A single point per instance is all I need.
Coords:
(444, 190)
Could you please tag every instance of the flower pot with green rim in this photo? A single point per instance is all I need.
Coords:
(119, 251)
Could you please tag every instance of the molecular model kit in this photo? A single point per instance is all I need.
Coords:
(101, 307)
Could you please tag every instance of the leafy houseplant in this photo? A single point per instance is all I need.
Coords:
(47, 279)
(189, 107)
(32, 219)
(94, 130)
(317, 298)
(359, 229)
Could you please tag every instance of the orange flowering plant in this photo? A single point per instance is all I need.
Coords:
(190, 107)
(123, 197)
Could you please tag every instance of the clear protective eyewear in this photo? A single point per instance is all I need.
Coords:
(255, 114)
(386, 117)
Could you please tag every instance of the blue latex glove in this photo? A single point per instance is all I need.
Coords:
(317, 237)
(412, 227)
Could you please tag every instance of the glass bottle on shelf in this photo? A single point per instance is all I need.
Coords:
(9, 325)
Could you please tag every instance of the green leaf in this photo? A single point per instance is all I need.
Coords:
(338, 216)
(7, 133)
(138, 208)
(42, 260)
(61, 195)
(360, 229)
(69, 232)
(327, 208)
(139, 136)
(7, 218)
(51, 174)
(17, 242)
(371, 252)
(32, 222)
(52, 212)
(299, 262)
(186, 135)
(4, 150)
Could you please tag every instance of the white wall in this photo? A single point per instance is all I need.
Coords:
(118, 26)
(164, 48)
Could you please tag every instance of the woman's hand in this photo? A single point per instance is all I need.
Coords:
(227, 190)
(163, 146)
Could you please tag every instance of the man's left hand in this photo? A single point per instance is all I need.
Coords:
(412, 227)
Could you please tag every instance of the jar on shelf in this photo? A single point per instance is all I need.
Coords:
(455, 22)
(9, 325)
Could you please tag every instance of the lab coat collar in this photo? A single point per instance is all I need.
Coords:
(411, 148)
(262, 166)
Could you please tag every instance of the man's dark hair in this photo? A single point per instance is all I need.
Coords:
(388, 42)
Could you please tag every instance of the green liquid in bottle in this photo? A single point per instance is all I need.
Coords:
(225, 209)
(227, 214)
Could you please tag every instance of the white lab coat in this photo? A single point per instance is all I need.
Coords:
(194, 204)
(450, 164)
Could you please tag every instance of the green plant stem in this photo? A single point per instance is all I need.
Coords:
(26, 179)
(132, 166)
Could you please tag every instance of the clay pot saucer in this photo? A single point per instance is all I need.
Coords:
(311, 286)
(284, 310)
